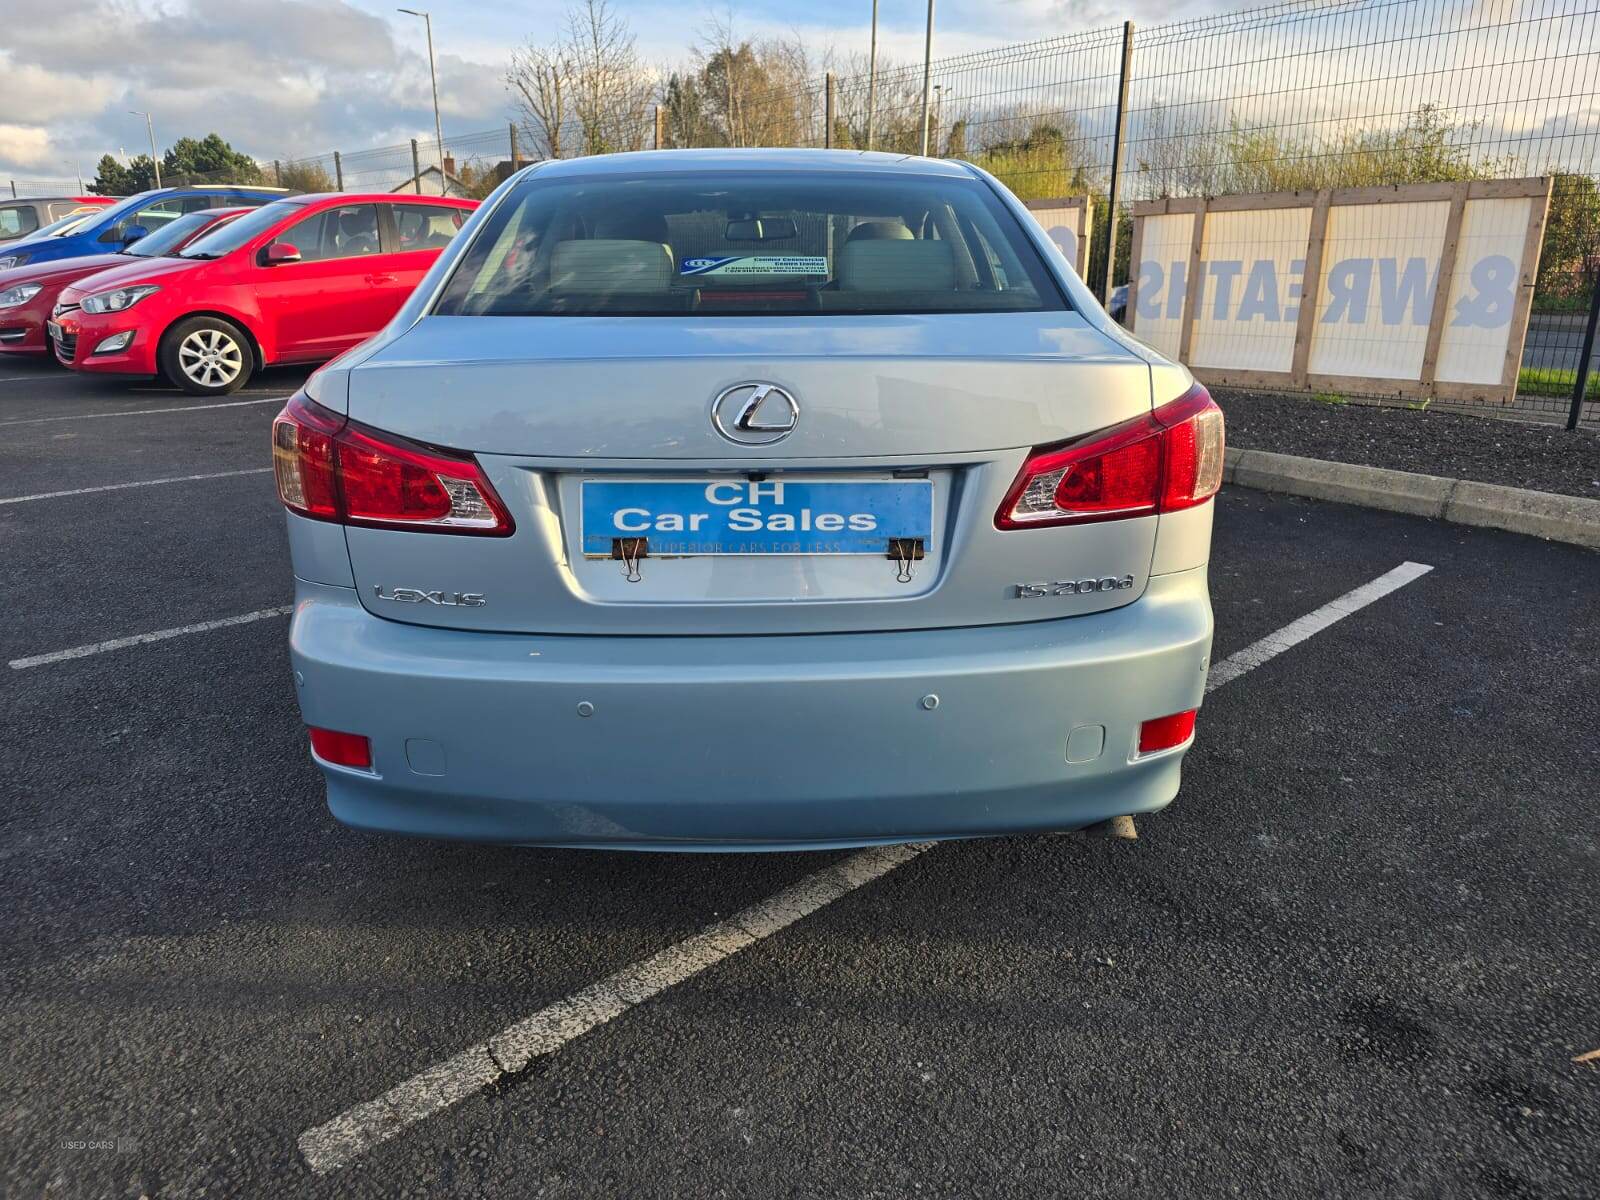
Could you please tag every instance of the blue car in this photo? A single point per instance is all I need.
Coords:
(112, 229)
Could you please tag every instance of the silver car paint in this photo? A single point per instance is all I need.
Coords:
(498, 706)
(750, 743)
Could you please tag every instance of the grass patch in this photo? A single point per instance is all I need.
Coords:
(1555, 381)
(1329, 398)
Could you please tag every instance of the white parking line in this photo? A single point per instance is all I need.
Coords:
(117, 487)
(139, 639)
(1316, 621)
(336, 1143)
(143, 412)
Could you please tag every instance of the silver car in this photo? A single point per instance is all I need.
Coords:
(749, 499)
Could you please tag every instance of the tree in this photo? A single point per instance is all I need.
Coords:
(307, 175)
(111, 178)
(211, 159)
(1569, 263)
(541, 80)
(586, 91)
(683, 106)
(756, 93)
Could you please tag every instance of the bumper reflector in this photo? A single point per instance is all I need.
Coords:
(341, 749)
(1163, 733)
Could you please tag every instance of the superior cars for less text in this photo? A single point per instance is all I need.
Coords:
(749, 500)
(299, 280)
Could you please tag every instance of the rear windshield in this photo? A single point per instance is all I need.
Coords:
(749, 244)
(16, 220)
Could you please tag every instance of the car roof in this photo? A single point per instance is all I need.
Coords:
(89, 200)
(752, 159)
(387, 197)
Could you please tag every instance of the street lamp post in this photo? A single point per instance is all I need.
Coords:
(149, 127)
(927, 77)
(438, 128)
(872, 75)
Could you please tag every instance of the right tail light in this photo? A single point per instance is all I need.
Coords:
(1170, 459)
(330, 468)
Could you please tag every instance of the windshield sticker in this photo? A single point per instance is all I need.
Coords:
(757, 264)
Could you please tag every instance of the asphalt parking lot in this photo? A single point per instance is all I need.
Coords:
(1357, 957)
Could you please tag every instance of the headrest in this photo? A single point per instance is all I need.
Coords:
(610, 265)
(890, 265)
(879, 230)
(631, 227)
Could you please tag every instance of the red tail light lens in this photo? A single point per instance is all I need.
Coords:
(302, 459)
(341, 749)
(1163, 733)
(333, 469)
(1169, 460)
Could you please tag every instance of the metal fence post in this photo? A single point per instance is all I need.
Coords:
(1119, 139)
(1582, 384)
(416, 167)
(338, 172)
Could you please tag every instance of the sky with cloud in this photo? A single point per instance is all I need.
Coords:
(279, 78)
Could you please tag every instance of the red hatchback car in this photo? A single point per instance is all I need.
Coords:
(300, 280)
(28, 293)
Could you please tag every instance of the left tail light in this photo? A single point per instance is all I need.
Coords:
(1168, 460)
(330, 468)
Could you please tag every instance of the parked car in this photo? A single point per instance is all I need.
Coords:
(1117, 306)
(749, 500)
(29, 294)
(26, 217)
(299, 280)
(125, 222)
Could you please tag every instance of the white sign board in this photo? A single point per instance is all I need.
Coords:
(1421, 290)
(1069, 221)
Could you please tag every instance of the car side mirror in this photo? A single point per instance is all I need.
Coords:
(281, 252)
(133, 233)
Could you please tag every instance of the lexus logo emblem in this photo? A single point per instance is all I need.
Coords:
(755, 414)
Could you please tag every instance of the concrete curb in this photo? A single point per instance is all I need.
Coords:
(1557, 518)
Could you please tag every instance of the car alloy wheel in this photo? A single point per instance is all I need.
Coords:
(210, 358)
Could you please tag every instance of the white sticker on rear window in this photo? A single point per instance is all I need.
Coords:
(757, 264)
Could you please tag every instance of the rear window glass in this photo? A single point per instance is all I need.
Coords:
(426, 226)
(749, 244)
(14, 222)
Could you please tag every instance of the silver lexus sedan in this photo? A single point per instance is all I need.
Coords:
(749, 499)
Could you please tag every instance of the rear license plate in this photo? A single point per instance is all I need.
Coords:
(775, 516)
(53, 330)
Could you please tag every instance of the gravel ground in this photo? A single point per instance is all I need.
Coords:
(1545, 458)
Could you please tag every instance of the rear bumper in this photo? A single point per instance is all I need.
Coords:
(750, 742)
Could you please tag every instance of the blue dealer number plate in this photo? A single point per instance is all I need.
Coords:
(775, 516)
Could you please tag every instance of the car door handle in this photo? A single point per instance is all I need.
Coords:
(380, 278)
